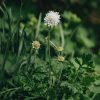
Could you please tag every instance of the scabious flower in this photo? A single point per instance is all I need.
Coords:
(36, 44)
(61, 58)
(52, 19)
(59, 49)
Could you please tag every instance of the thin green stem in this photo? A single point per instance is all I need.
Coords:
(49, 63)
(12, 89)
(49, 55)
(60, 74)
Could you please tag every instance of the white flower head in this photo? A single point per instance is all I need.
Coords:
(52, 19)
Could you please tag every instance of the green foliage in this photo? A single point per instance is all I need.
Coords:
(71, 17)
(65, 80)
(25, 73)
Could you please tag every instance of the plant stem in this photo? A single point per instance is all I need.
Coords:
(49, 63)
(49, 55)
(12, 89)
(60, 74)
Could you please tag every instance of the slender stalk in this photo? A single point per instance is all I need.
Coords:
(49, 63)
(12, 89)
(60, 74)
(49, 55)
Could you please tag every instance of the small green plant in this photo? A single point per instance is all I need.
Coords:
(37, 74)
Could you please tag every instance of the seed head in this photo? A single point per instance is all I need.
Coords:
(59, 49)
(36, 44)
(61, 58)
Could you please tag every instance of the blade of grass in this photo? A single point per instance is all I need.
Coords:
(62, 35)
(19, 51)
(38, 26)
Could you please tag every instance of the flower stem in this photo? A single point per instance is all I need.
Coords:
(49, 55)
